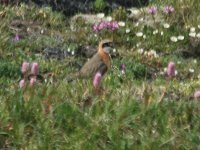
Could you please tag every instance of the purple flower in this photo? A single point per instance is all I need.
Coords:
(152, 10)
(97, 80)
(122, 67)
(115, 25)
(95, 28)
(168, 9)
(35, 69)
(171, 69)
(197, 94)
(32, 82)
(105, 25)
(25, 67)
(102, 25)
(22, 83)
(17, 38)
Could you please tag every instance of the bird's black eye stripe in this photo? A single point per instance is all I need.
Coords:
(109, 44)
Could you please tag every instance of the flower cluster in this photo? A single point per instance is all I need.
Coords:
(122, 68)
(171, 69)
(113, 25)
(16, 38)
(97, 80)
(34, 72)
(152, 10)
(193, 33)
(197, 95)
(168, 9)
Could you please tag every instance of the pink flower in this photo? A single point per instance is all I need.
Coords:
(122, 67)
(171, 69)
(35, 69)
(197, 94)
(168, 9)
(152, 10)
(97, 80)
(21, 83)
(115, 25)
(17, 38)
(32, 82)
(25, 67)
(95, 28)
(105, 25)
(102, 26)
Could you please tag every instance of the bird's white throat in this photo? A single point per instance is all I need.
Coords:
(107, 49)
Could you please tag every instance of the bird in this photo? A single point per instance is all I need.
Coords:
(100, 62)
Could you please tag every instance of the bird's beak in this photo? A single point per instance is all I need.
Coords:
(112, 45)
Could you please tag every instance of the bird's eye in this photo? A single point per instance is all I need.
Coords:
(109, 44)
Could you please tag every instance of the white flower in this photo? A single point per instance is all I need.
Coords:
(100, 15)
(28, 29)
(138, 44)
(161, 33)
(42, 31)
(140, 51)
(192, 29)
(68, 49)
(141, 19)
(109, 18)
(191, 70)
(152, 53)
(128, 30)
(195, 61)
(179, 62)
(166, 25)
(165, 69)
(145, 53)
(139, 34)
(144, 37)
(174, 39)
(135, 11)
(114, 50)
(155, 32)
(72, 52)
(198, 35)
(41, 11)
(121, 23)
(176, 72)
(199, 26)
(187, 27)
(162, 73)
(180, 37)
(137, 24)
(192, 34)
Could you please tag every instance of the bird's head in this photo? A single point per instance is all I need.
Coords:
(106, 45)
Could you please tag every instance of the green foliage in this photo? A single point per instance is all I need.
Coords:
(99, 5)
(119, 14)
(9, 70)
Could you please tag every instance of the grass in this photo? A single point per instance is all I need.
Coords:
(61, 115)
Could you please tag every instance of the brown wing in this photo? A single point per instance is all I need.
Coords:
(92, 66)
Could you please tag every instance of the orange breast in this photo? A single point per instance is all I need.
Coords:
(105, 57)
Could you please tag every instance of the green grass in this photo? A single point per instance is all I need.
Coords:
(61, 115)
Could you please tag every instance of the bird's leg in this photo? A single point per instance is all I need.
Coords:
(99, 90)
